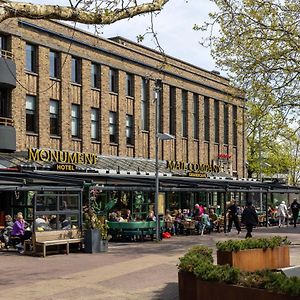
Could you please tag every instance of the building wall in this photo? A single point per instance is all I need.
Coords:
(126, 57)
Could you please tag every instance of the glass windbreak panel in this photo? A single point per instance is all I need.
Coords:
(46, 202)
(57, 222)
(69, 202)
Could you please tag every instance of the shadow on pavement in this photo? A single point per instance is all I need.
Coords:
(169, 292)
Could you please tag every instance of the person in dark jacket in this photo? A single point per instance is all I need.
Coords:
(233, 216)
(249, 218)
(295, 207)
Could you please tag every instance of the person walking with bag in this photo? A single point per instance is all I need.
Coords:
(249, 218)
(295, 207)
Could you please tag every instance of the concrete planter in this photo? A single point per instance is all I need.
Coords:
(191, 288)
(93, 242)
(256, 259)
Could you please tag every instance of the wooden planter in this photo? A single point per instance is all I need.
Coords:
(191, 288)
(256, 259)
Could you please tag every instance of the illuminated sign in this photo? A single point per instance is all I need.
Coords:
(198, 175)
(64, 157)
(64, 167)
(190, 167)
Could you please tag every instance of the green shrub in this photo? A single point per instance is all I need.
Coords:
(199, 261)
(252, 243)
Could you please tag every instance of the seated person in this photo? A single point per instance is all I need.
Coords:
(42, 223)
(119, 217)
(127, 216)
(6, 232)
(205, 222)
(65, 222)
(214, 220)
(151, 216)
(112, 217)
(19, 231)
(169, 226)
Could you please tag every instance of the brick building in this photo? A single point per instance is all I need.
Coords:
(65, 89)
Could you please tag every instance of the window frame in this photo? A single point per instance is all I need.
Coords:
(129, 129)
(129, 85)
(75, 70)
(54, 118)
(217, 121)
(75, 121)
(196, 128)
(145, 96)
(113, 80)
(172, 110)
(95, 129)
(95, 76)
(31, 58)
(113, 127)
(54, 64)
(206, 108)
(184, 112)
(31, 114)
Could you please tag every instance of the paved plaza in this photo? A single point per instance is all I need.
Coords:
(142, 270)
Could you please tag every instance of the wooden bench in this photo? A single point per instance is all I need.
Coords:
(53, 238)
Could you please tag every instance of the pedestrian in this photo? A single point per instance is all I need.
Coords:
(249, 218)
(233, 216)
(295, 207)
(282, 213)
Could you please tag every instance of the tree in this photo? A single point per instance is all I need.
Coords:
(97, 12)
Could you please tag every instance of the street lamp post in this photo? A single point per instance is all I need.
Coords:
(158, 136)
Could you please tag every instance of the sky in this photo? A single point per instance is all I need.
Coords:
(174, 27)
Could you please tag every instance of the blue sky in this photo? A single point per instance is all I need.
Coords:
(174, 26)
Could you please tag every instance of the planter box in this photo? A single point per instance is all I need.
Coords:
(191, 288)
(256, 259)
(93, 242)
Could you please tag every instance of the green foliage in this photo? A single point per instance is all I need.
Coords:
(252, 243)
(198, 260)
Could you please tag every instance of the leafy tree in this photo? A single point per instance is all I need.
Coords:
(97, 12)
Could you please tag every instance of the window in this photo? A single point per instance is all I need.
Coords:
(159, 99)
(196, 116)
(95, 124)
(234, 125)
(113, 127)
(5, 103)
(129, 85)
(145, 104)
(206, 119)
(75, 120)
(54, 117)
(3, 42)
(31, 58)
(172, 120)
(31, 117)
(113, 80)
(226, 124)
(217, 121)
(129, 129)
(95, 76)
(184, 113)
(54, 64)
(75, 70)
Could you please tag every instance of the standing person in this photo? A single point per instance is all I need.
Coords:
(233, 216)
(249, 218)
(295, 207)
(282, 213)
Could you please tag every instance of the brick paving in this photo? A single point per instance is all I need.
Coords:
(127, 271)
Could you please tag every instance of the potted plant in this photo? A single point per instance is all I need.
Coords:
(200, 279)
(254, 254)
(95, 236)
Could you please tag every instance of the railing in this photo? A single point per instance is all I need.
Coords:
(6, 54)
(6, 121)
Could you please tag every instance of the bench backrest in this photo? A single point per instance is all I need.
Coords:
(52, 235)
(133, 225)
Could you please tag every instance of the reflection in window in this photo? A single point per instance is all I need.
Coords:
(31, 117)
(54, 64)
(54, 117)
(75, 70)
(113, 127)
(113, 80)
(95, 124)
(129, 129)
(31, 58)
(75, 120)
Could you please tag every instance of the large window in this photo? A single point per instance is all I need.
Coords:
(129, 129)
(113, 127)
(184, 113)
(206, 119)
(234, 125)
(31, 115)
(95, 124)
(172, 105)
(129, 85)
(76, 70)
(217, 121)
(75, 120)
(196, 116)
(3, 42)
(5, 103)
(145, 104)
(226, 123)
(95, 76)
(31, 58)
(54, 117)
(113, 80)
(54, 64)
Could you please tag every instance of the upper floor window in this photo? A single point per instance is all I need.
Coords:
(54, 117)
(196, 116)
(226, 124)
(172, 113)
(129, 85)
(95, 76)
(184, 113)
(3, 42)
(206, 119)
(129, 129)
(75, 113)
(113, 80)
(54, 64)
(31, 115)
(95, 124)
(113, 127)
(5, 100)
(75, 70)
(217, 120)
(31, 58)
(159, 103)
(145, 104)
(234, 125)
